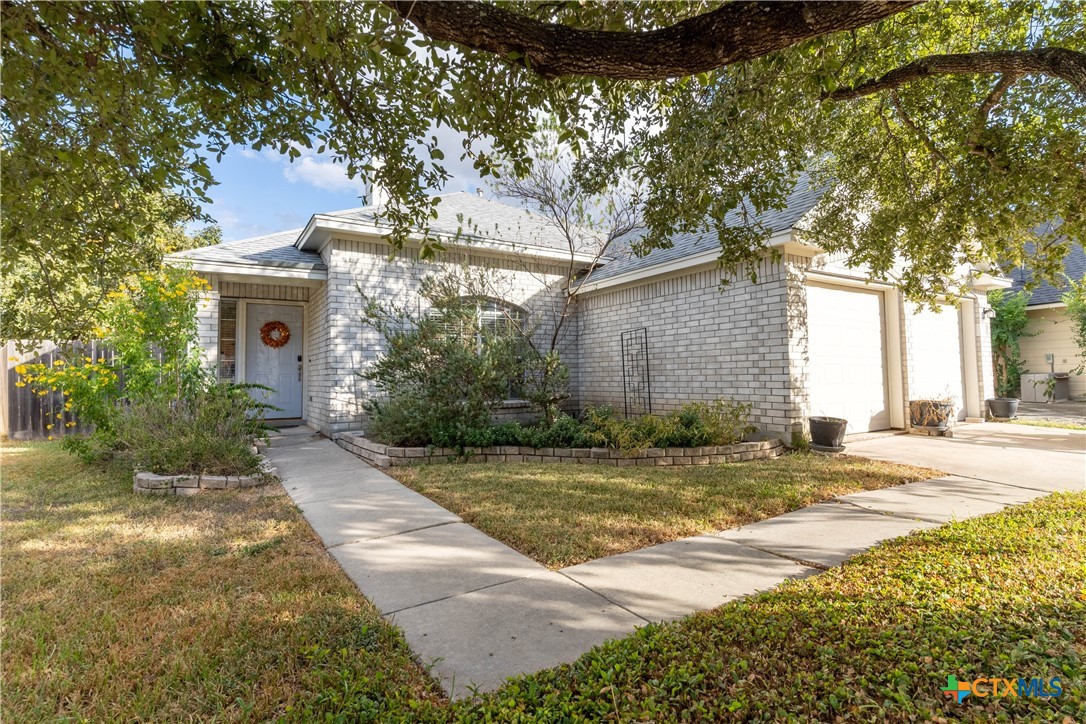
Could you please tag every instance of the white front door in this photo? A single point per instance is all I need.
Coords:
(846, 356)
(271, 364)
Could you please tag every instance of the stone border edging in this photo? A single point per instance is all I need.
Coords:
(387, 456)
(152, 484)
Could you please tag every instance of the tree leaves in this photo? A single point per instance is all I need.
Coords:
(104, 102)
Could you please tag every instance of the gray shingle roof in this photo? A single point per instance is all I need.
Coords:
(802, 199)
(1074, 266)
(469, 215)
(269, 250)
(473, 216)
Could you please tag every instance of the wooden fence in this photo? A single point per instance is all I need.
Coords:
(27, 415)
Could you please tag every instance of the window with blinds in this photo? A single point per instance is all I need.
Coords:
(491, 317)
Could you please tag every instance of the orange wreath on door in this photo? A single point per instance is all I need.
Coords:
(275, 334)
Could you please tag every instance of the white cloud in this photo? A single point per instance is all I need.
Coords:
(319, 172)
(310, 169)
(237, 226)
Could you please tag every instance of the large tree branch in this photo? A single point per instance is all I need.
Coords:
(1068, 65)
(735, 32)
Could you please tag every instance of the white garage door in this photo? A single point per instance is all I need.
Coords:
(847, 356)
(935, 356)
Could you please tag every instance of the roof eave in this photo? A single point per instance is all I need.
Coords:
(985, 282)
(321, 229)
(251, 269)
(785, 242)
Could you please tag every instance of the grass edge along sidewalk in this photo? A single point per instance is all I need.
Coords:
(120, 607)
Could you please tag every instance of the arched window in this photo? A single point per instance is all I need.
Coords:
(481, 315)
(496, 316)
(484, 318)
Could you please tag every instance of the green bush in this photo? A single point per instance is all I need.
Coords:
(209, 431)
(563, 432)
(1075, 299)
(406, 421)
(695, 424)
(1008, 327)
(441, 372)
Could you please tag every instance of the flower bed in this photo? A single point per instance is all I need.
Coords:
(385, 456)
(152, 484)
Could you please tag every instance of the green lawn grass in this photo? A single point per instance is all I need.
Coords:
(224, 607)
(561, 515)
(124, 607)
(999, 596)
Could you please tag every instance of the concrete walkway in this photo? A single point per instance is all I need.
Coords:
(479, 612)
(1069, 411)
(1038, 458)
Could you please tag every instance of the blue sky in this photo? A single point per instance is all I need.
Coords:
(262, 192)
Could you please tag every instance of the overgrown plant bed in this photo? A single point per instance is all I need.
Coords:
(386, 456)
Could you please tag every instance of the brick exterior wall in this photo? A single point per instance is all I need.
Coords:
(272, 292)
(207, 325)
(983, 341)
(318, 348)
(745, 341)
(352, 345)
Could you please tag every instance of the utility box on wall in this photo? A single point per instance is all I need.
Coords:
(1035, 387)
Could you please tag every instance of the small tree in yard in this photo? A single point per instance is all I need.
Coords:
(595, 217)
(152, 402)
(1075, 299)
(1008, 326)
(442, 372)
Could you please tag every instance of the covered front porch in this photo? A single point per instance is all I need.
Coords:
(260, 319)
(261, 333)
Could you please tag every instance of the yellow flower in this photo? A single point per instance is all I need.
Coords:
(58, 363)
(69, 424)
(21, 369)
(50, 437)
(101, 359)
(48, 427)
(20, 383)
(13, 359)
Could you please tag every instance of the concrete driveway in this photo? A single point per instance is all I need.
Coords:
(1038, 458)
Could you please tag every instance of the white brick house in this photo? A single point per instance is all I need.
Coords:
(811, 337)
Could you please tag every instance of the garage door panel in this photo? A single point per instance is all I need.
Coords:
(935, 356)
(847, 357)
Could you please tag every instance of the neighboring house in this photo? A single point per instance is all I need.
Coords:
(1052, 330)
(811, 337)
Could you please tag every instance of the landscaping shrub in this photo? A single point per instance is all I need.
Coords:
(1075, 299)
(563, 432)
(413, 419)
(407, 421)
(695, 424)
(1008, 327)
(443, 371)
(153, 403)
(210, 431)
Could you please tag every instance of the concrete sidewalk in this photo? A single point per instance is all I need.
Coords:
(479, 612)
